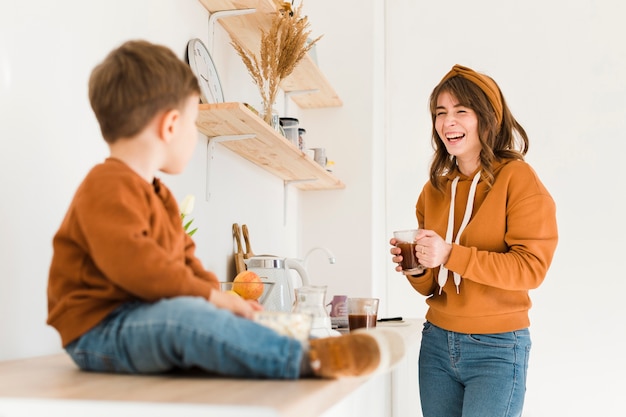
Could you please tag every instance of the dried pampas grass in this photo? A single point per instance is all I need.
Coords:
(281, 49)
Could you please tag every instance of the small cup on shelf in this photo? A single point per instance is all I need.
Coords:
(290, 127)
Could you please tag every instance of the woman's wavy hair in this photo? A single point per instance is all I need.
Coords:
(506, 141)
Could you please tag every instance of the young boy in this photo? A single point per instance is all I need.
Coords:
(126, 291)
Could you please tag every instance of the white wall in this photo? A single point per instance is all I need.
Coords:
(350, 222)
(49, 139)
(561, 67)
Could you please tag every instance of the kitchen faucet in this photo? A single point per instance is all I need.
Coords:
(331, 257)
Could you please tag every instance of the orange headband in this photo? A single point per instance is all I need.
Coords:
(486, 84)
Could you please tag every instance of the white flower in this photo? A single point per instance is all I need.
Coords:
(186, 207)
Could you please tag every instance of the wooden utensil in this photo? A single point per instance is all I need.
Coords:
(239, 255)
(246, 237)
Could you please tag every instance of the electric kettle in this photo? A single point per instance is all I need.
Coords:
(278, 270)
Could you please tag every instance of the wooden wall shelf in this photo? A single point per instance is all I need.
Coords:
(267, 148)
(247, 30)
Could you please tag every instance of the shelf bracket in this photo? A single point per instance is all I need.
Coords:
(223, 13)
(286, 185)
(288, 95)
(210, 155)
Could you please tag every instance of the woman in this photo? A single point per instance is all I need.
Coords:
(487, 236)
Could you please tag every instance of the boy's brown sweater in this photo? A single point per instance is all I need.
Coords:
(505, 250)
(121, 240)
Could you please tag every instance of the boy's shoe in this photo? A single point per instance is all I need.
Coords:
(358, 353)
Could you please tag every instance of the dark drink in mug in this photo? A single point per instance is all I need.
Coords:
(410, 264)
(362, 321)
(405, 240)
(362, 313)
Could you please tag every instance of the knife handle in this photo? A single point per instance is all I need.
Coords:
(246, 238)
(237, 235)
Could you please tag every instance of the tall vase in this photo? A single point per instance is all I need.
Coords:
(270, 115)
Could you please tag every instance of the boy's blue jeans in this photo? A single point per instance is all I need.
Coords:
(183, 333)
(473, 375)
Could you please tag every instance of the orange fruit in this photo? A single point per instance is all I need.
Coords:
(248, 285)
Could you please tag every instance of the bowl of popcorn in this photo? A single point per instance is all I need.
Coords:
(295, 325)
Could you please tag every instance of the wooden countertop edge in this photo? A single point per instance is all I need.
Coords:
(56, 377)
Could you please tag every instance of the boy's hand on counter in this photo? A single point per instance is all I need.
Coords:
(234, 303)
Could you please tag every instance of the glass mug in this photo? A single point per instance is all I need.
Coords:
(405, 240)
(362, 313)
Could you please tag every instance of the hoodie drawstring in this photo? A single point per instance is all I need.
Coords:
(443, 271)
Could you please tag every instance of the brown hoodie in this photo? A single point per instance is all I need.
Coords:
(505, 250)
(121, 240)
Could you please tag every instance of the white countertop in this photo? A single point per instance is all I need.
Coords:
(53, 385)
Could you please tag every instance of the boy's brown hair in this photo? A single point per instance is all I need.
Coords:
(134, 83)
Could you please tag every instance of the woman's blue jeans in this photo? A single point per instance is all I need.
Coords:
(184, 333)
(472, 375)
